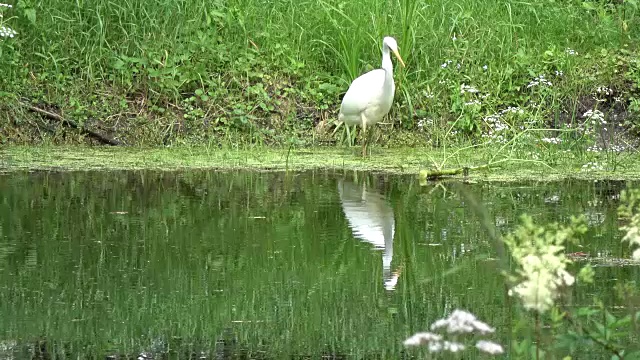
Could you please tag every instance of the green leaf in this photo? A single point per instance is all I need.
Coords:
(30, 14)
(118, 64)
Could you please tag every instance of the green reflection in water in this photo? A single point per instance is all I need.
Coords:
(263, 265)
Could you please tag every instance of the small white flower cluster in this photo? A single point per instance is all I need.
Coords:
(533, 155)
(604, 90)
(497, 125)
(473, 102)
(539, 80)
(467, 89)
(513, 110)
(601, 93)
(614, 148)
(559, 73)
(459, 322)
(570, 52)
(446, 63)
(7, 32)
(595, 116)
(553, 140)
(428, 95)
(592, 166)
(424, 122)
(618, 148)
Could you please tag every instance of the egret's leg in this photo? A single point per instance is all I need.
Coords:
(364, 137)
(349, 140)
(372, 136)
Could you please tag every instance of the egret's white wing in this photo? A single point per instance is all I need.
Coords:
(364, 90)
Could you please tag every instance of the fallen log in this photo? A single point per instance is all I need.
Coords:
(72, 124)
(436, 174)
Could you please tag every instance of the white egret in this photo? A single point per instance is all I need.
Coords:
(370, 96)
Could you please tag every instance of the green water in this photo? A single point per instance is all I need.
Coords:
(263, 265)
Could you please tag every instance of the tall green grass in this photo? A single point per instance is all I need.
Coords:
(337, 37)
(175, 46)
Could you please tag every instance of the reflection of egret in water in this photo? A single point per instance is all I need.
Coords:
(371, 220)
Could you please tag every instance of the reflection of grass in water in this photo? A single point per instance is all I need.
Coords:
(293, 282)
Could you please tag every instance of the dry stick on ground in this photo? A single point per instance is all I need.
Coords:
(53, 116)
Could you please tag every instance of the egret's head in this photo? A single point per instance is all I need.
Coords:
(392, 45)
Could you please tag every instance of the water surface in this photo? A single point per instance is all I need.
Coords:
(264, 265)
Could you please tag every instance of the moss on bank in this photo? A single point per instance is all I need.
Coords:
(397, 161)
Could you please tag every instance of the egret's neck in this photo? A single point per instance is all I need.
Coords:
(387, 65)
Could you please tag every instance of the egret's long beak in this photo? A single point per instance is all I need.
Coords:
(395, 52)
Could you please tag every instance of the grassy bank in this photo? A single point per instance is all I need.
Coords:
(160, 72)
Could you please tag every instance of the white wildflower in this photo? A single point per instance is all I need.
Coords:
(618, 148)
(472, 102)
(592, 166)
(544, 274)
(489, 347)
(485, 67)
(6, 5)
(595, 117)
(553, 140)
(454, 38)
(7, 32)
(453, 346)
(559, 73)
(435, 346)
(461, 321)
(467, 89)
(513, 110)
(570, 52)
(539, 80)
(542, 265)
(446, 63)
(422, 338)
